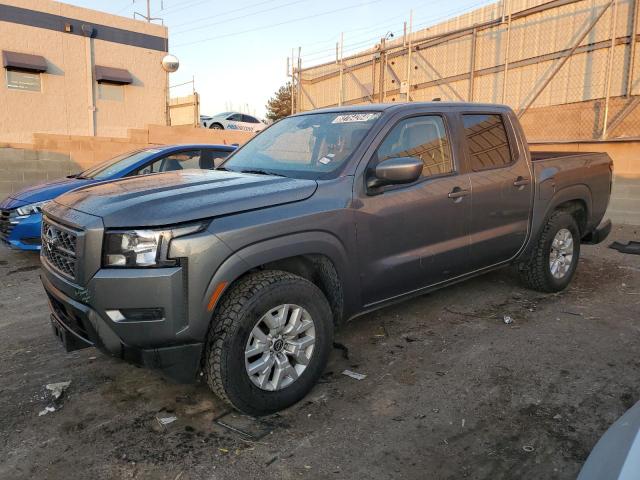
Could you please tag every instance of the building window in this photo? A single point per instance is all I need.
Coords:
(110, 91)
(19, 80)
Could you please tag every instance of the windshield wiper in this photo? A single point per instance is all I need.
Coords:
(258, 171)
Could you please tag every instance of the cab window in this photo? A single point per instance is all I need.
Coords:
(236, 117)
(422, 137)
(487, 141)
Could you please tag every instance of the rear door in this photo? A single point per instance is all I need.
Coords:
(501, 185)
(412, 236)
(236, 122)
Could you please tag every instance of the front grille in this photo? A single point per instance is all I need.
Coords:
(6, 217)
(59, 248)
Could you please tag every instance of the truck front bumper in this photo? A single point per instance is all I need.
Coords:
(79, 326)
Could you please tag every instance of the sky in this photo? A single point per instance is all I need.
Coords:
(236, 52)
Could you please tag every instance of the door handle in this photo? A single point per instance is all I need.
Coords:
(458, 192)
(521, 182)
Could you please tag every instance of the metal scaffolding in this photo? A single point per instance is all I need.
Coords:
(575, 59)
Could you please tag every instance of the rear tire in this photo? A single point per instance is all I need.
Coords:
(235, 329)
(555, 257)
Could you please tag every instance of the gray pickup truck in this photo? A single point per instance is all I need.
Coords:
(244, 272)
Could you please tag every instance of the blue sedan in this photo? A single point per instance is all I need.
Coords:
(20, 213)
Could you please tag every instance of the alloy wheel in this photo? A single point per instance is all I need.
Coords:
(280, 347)
(561, 256)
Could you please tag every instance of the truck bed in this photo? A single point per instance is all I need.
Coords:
(589, 172)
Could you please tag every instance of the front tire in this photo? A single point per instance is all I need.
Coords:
(555, 256)
(216, 126)
(269, 343)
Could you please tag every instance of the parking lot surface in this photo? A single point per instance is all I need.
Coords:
(451, 390)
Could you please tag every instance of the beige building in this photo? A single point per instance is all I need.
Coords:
(74, 71)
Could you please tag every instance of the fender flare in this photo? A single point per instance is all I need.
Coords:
(578, 192)
(280, 248)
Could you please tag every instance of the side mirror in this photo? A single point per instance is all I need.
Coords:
(395, 171)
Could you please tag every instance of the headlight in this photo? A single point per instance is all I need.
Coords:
(32, 208)
(143, 248)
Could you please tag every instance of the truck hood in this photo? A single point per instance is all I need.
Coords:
(43, 192)
(176, 197)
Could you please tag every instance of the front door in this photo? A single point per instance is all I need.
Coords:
(412, 236)
(501, 184)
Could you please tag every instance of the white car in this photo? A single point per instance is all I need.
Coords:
(232, 121)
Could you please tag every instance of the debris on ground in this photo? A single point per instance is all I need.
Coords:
(408, 338)
(57, 389)
(464, 314)
(507, 320)
(528, 448)
(248, 428)
(628, 267)
(632, 248)
(381, 333)
(343, 348)
(46, 410)
(355, 375)
(164, 421)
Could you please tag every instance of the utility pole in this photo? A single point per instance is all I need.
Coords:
(298, 100)
(410, 46)
(341, 86)
(148, 16)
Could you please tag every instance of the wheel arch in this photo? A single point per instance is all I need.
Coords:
(216, 123)
(317, 256)
(576, 199)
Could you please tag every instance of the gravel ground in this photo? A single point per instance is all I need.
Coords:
(451, 391)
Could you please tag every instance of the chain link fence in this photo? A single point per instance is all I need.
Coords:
(569, 68)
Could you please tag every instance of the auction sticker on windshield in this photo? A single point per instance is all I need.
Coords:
(356, 117)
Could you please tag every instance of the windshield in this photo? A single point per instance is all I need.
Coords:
(305, 146)
(116, 165)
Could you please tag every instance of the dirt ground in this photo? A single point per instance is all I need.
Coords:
(451, 390)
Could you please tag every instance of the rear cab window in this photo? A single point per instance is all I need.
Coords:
(487, 141)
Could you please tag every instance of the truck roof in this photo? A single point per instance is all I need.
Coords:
(397, 106)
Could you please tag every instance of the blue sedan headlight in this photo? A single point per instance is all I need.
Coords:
(31, 208)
